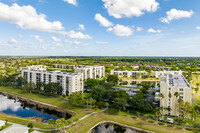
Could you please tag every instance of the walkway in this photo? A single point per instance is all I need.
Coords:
(25, 127)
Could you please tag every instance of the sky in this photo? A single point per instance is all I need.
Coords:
(100, 27)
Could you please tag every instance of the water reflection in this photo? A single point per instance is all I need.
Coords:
(113, 128)
(13, 106)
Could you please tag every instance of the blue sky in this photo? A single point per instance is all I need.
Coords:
(100, 27)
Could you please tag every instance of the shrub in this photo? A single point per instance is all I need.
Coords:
(160, 123)
(150, 121)
(196, 125)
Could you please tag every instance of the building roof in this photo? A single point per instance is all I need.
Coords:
(177, 80)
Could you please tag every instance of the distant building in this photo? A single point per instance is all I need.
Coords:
(34, 67)
(64, 66)
(92, 72)
(70, 82)
(133, 74)
(159, 74)
(169, 85)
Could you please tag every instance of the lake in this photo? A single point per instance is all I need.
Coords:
(16, 107)
(113, 128)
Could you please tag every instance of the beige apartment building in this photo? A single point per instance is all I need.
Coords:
(169, 85)
(92, 72)
(70, 82)
(64, 66)
(133, 74)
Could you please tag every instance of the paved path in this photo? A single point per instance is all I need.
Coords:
(19, 125)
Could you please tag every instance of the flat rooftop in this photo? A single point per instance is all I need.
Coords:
(52, 72)
(177, 80)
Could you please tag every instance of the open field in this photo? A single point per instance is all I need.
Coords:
(127, 119)
(196, 79)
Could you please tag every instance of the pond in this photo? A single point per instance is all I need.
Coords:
(16, 107)
(153, 85)
(113, 128)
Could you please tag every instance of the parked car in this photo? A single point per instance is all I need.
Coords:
(170, 120)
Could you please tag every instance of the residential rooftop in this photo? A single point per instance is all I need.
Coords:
(177, 80)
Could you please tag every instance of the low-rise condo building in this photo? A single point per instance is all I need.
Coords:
(64, 66)
(168, 86)
(34, 67)
(159, 74)
(70, 82)
(92, 72)
(133, 74)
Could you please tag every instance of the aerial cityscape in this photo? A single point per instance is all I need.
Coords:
(99, 66)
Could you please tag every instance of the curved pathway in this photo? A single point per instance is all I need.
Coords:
(15, 124)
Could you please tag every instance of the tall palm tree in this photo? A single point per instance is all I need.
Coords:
(162, 97)
(176, 94)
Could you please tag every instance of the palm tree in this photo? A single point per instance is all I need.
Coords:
(197, 84)
(162, 97)
(176, 94)
(180, 106)
(196, 89)
(158, 114)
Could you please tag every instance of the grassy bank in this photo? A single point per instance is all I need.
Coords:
(80, 112)
(127, 119)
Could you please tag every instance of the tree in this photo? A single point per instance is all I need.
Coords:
(76, 98)
(51, 122)
(107, 105)
(158, 112)
(176, 94)
(162, 97)
(141, 105)
(121, 94)
(197, 84)
(196, 89)
(98, 93)
(29, 86)
(120, 103)
(113, 79)
(91, 83)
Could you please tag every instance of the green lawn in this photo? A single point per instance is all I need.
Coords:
(6, 126)
(124, 118)
(80, 112)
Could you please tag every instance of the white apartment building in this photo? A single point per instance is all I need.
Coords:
(34, 67)
(64, 66)
(159, 74)
(169, 85)
(133, 74)
(70, 82)
(92, 72)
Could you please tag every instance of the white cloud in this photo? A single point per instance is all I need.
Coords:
(175, 14)
(73, 34)
(121, 30)
(20, 36)
(139, 29)
(75, 43)
(73, 2)
(102, 20)
(44, 48)
(81, 27)
(12, 41)
(37, 38)
(58, 43)
(99, 42)
(27, 17)
(55, 39)
(129, 8)
(198, 27)
(151, 30)
(1, 43)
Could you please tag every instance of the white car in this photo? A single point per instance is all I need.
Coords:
(170, 120)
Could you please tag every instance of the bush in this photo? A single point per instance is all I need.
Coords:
(160, 123)
(196, 125)
(150, 121)
(170, 125)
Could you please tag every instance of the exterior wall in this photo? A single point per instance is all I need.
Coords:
(64, 66)
(91, 71)
(69, 82)
(128, 73)
(165, 88)
(159, 74)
